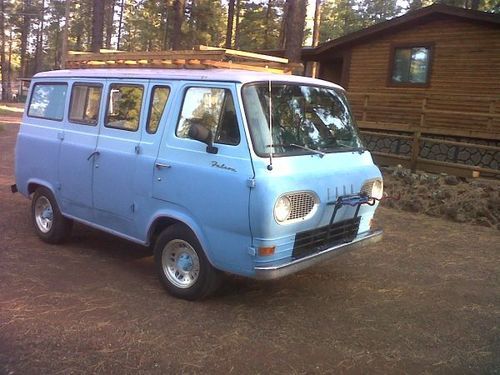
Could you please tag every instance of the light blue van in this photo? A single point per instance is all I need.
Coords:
(250, 173)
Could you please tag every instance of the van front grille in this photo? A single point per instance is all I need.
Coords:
(316, 240)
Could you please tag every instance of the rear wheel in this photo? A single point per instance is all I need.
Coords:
(50, 225)
(182, 265)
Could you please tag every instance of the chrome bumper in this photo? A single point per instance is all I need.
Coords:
(274, 272)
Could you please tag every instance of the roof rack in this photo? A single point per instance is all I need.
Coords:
(202, 57)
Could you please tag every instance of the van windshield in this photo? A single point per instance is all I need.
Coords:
(305, 119)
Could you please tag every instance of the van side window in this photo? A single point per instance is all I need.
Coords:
(85, 103)
(124, 107)
(214, 109)
(48, 100)
(159, 98)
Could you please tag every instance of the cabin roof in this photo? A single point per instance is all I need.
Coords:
(223, 75)
(409, 19)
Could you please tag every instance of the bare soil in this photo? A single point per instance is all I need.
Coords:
(424, 300)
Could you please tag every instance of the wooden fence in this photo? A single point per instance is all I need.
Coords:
(415, 118)
(438, 114)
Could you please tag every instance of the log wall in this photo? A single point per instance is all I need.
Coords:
(463, 97)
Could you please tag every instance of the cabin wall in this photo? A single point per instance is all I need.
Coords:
(463, 96)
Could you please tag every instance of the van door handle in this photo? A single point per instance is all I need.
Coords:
(161, 165)
(95, 153)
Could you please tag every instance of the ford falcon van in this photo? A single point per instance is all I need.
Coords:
(220, 171)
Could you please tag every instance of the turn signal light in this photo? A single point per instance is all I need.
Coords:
(266, 251)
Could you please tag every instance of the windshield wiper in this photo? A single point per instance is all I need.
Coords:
(320, 153)
(347, 147)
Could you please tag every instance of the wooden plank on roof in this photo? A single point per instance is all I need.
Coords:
(244, 54)
(202, 57)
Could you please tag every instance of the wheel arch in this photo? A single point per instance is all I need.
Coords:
(36, 183)
(164, 220)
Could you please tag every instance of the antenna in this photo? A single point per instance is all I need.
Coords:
(270, 166)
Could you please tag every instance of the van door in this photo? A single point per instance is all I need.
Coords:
(157, 111)
(116, 154)
(76, 161)
(209, 186)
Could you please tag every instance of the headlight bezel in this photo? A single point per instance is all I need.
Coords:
(303, 205)
(374, 188)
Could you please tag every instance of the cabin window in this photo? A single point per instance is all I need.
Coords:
(214, 109)
(410, 65)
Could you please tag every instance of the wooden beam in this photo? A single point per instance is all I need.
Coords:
(244, 54)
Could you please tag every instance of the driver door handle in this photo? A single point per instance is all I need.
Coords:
(162, 166)
(95, 153)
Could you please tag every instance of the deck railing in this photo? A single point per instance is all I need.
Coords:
(455, 121)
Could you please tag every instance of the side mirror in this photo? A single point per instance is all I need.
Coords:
(200, 133)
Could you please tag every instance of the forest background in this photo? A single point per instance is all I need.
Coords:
(35, 33)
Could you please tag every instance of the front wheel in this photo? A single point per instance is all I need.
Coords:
(50, 225)
(182, 265)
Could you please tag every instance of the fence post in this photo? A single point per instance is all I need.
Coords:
(365, 107)
(415, 150)
(492, 111)
(422, 114)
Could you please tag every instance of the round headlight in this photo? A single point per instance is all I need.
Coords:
(282, 208)
(377, 189)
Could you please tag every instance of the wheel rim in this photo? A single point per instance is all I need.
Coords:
(44, 215)
(180, 263)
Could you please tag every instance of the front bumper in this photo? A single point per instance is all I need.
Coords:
(275, 272)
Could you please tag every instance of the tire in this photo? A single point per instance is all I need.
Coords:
(182, 265)
(50, 225)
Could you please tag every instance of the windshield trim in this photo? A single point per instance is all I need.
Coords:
(301, 152)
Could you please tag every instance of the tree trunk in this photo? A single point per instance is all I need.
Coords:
(64, 45)
(165, 20)
(317, 23)
(315, 39)
(282, 40)
(9, 67)
(39, 41)
(295, 29)
(108, 22)
(268, 24)
(230, 18)
(237, 28)
(178, 6)
(97, 25)
(4, 63)
(120, 25)
(24, 38)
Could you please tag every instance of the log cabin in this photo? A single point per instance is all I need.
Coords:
(433, 72)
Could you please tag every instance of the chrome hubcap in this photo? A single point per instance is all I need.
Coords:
(180, 263)
(44, 215)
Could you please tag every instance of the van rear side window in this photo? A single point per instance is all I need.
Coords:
(85, 103)
(124, 107)
(47, 101)
(159, 99)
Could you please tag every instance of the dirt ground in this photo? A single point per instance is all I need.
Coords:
(463, 200)
(424, 300)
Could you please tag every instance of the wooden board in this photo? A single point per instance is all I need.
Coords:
(203, 57)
